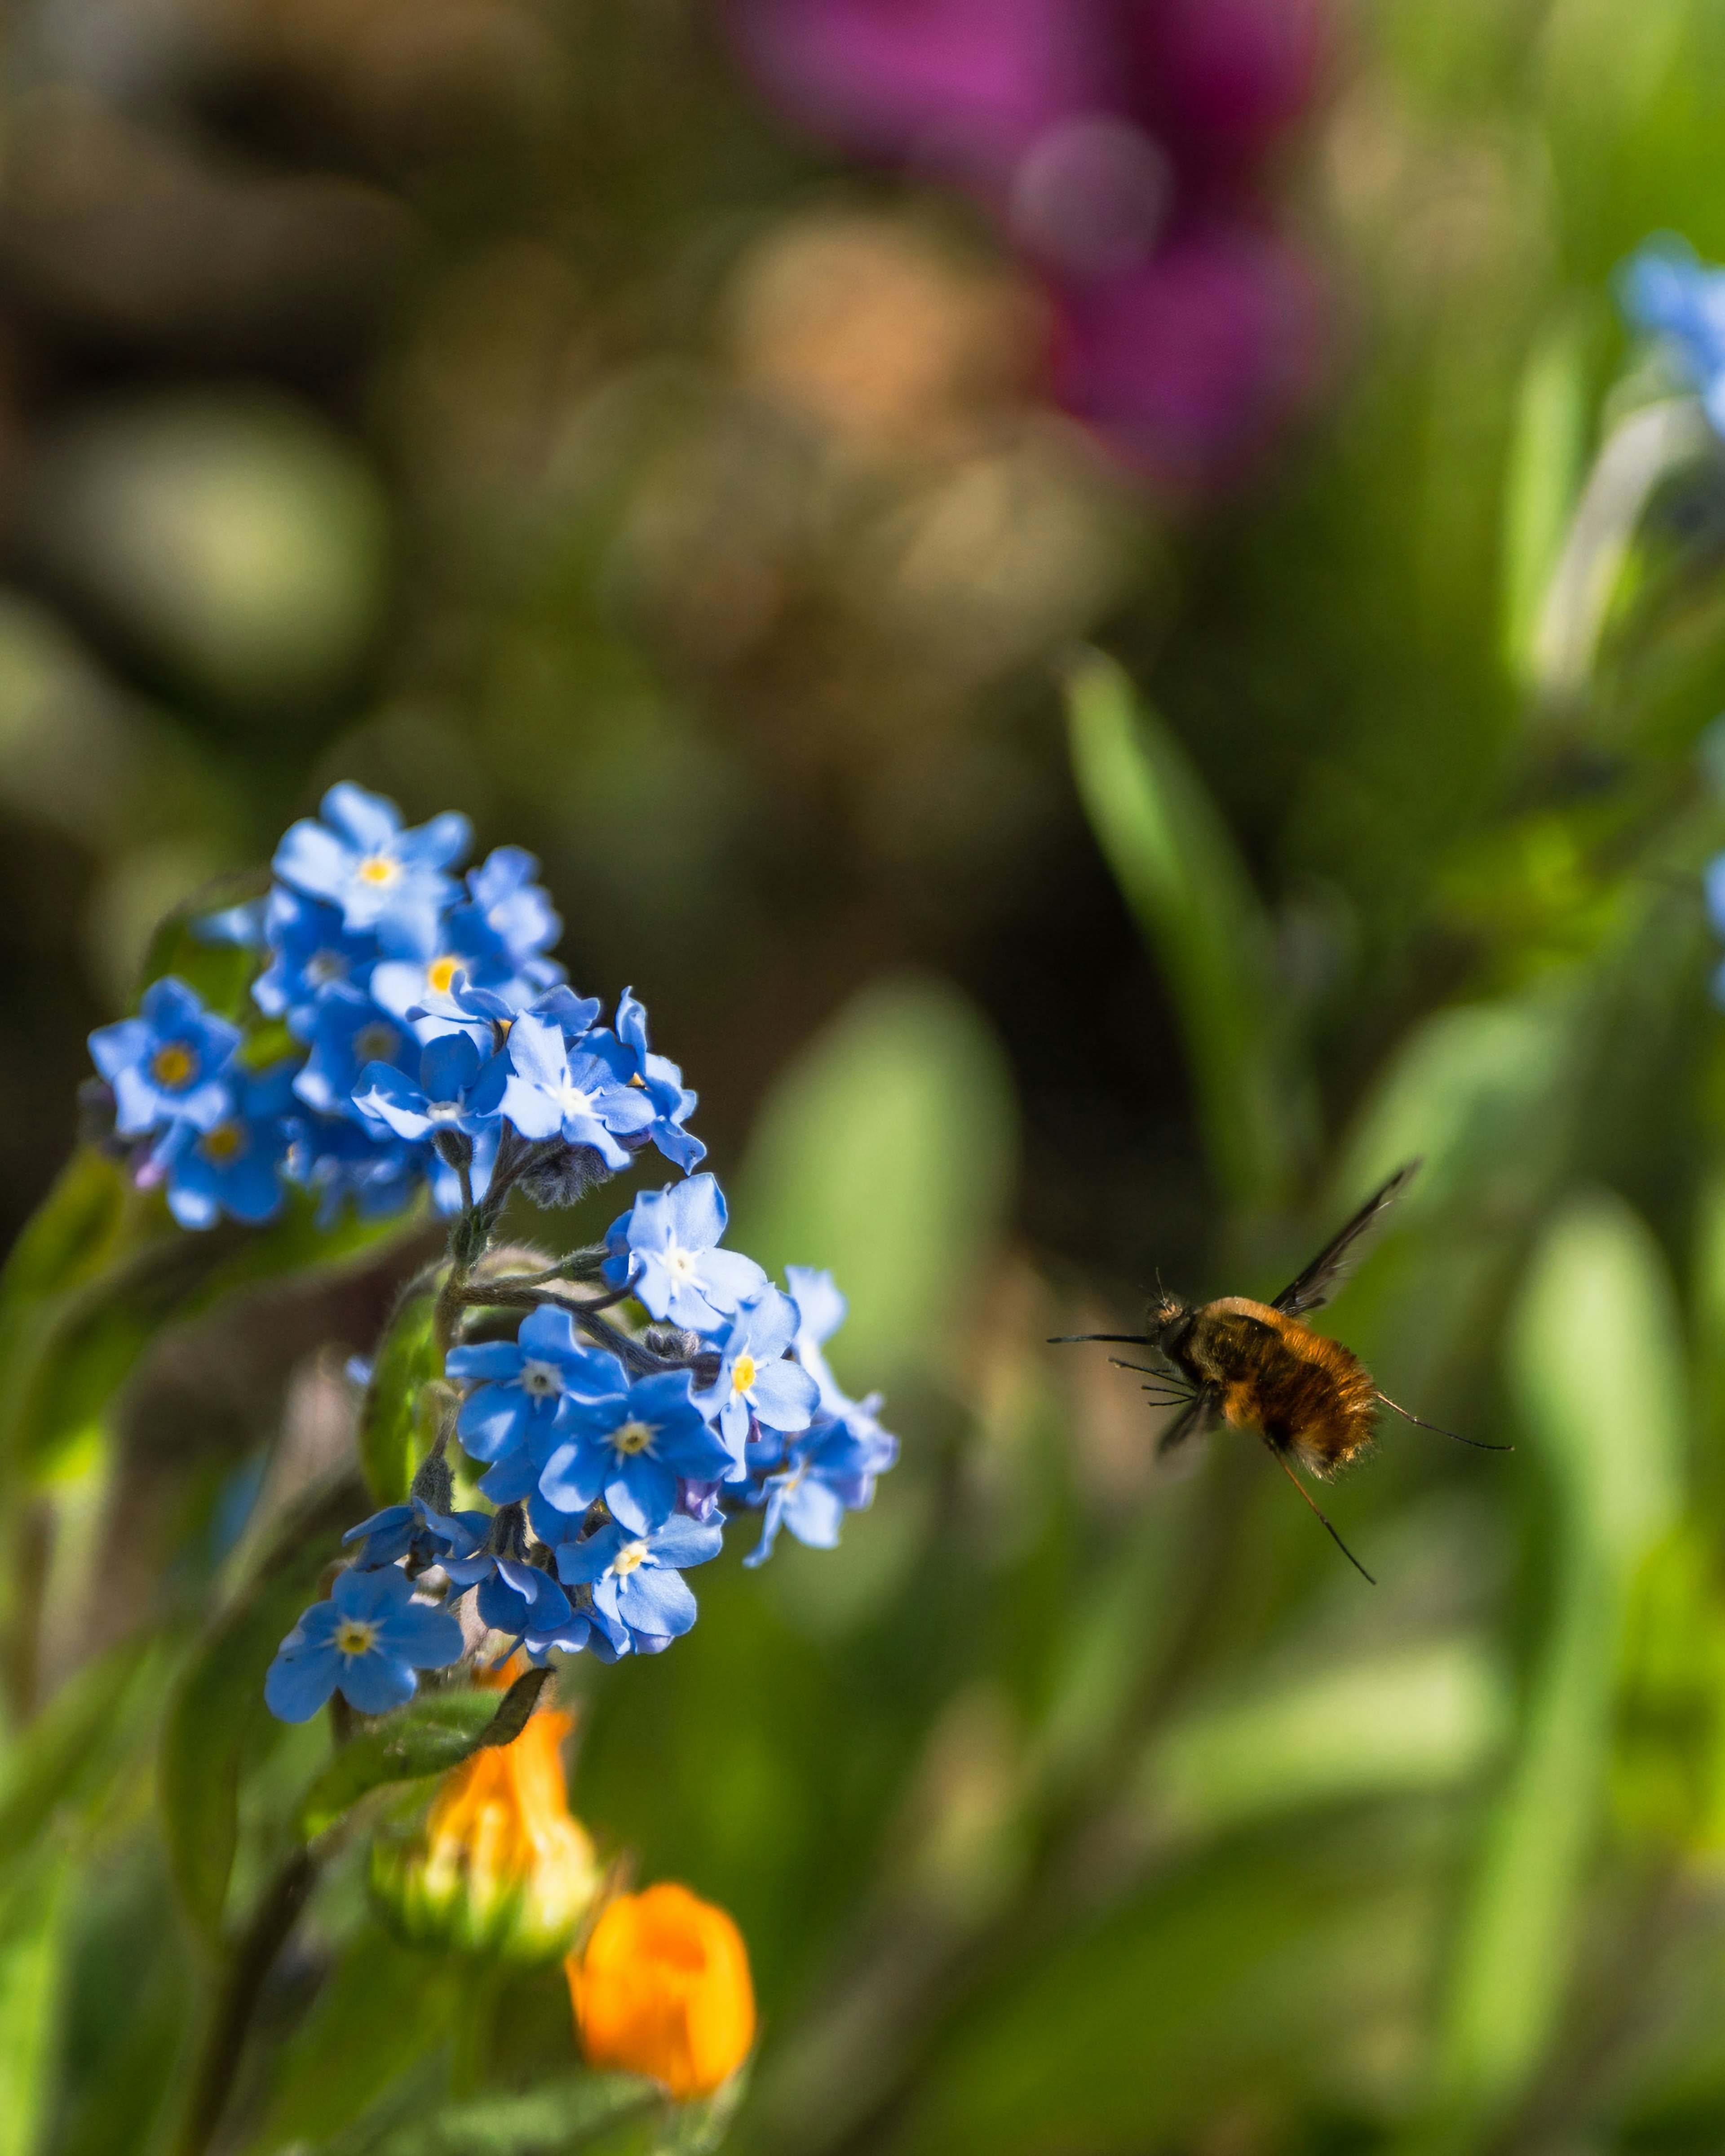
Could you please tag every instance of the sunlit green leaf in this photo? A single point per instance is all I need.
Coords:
(1546, 463)
(550, 2121)
(1596, 1363)
(1177, 864)
(32, 1911)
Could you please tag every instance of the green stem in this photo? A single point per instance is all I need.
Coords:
(252, 1955)
(476, 2029)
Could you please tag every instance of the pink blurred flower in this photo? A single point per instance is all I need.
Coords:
(1117, 142)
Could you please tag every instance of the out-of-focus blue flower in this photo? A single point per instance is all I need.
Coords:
(416, 1530)
(359, 858)
(821, 1310)
(366, 1641)
(460, 1088)
(637, 1579)
(310, 953)
(241, 926)
(665, 1250)
(515, 909)
(829, 1472)
(1666, 290)
(550, 1093)
(234, 1167)
(754, 1380)
(348, 1032)
(633, 1448)
(520, 1385)
(338, 1157)
(166, 1065)
(519, 1599)
(658, 1077)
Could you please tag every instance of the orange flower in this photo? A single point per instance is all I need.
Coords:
(501, 1867)
(664, 1989)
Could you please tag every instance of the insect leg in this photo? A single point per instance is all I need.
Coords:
(1119, 1339)
(1328, 1529)
(1478, 1443)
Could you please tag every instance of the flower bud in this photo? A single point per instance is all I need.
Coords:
(500, 1867)
(663, 1989)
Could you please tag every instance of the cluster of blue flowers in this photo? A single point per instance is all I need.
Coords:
(431, 1041)
(393, 986)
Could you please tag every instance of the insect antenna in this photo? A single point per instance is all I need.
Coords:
(1478, 1443)
(1115, 1339)
(1328, 1529)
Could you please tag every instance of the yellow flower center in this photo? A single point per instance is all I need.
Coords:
(742, 1374)
(631, 1555)
(354, 1636)
(378, 869)
(633, 1437)
(175, 1065)
(441, 973)
(226, 1142)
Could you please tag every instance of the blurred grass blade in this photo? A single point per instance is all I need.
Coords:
(1596, 1367)
(1182, 877)
(217, 1713)
(886, 1151)
(32, 1911)
(1647, 446)
(1547, 458)
(95, 1725)
(427, 1736)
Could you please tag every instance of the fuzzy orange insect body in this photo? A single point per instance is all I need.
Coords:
(1304, 1393)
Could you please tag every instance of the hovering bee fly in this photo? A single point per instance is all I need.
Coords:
(1257, 1366)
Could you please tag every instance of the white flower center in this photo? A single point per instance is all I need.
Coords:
(442, 1112)
(355, 1637)
(681, 1263)
(633, 1437)
(323, 967)
(628, 1558)
(570, 1098)
(542, 1380)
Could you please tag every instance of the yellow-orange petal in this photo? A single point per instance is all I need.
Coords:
(664, 1989)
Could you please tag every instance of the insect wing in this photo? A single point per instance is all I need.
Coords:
(1194, 1421)
(1321, 1279)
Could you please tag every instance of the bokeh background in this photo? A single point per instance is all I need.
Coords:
(1030, 569)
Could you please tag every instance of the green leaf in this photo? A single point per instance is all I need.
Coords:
(1182, 875)
(554, 2120)
(1547, 459)
(392, 1441)
(427, 1736)
(217, 1708)
(32, 1952)
(221, 973)
(1596, 1366)
(886, 1151)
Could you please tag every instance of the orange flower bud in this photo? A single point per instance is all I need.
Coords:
(500, 1866)
(664, 1989)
